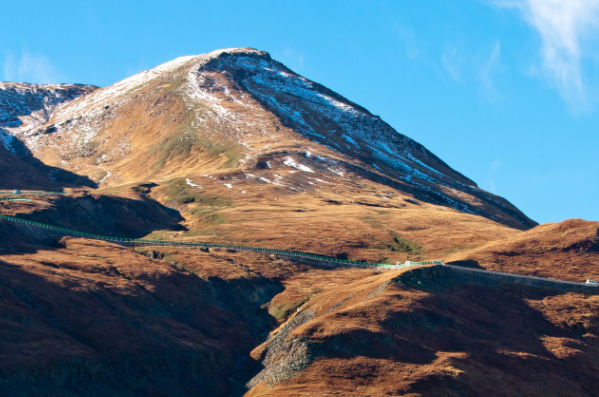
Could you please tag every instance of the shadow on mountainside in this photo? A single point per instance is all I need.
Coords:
(490, 206)
(497, 334)
(100, 319)
(431, 333)
(105, 215)
(469, 318)
(468, 263)
(21, 170)
(505, 340)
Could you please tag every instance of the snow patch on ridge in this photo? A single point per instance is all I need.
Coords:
(190, 183)
(292, 163)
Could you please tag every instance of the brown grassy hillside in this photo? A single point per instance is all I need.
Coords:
(566, 250)
(426, 333)
(94, 318)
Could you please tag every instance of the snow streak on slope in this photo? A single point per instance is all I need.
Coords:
(292, 163)
(334, 122)
(326, 117)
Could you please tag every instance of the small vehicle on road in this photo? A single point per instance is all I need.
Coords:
(16, 192)
(592, 283)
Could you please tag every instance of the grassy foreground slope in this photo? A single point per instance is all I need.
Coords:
(88, 317)
(566, 250)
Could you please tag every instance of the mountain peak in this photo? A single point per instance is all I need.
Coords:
(237, 51)
(237, 108)
(202, 59)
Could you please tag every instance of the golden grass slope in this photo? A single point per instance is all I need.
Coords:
(421, 333)
(567, 250)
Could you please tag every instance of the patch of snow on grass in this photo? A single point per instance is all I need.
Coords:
(292, 163)
(340, 173)
(108, 175)
(190, 183)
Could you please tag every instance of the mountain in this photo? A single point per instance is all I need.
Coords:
(232, 147)
(85, 317)
(239, 109)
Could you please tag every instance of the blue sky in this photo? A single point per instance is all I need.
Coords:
(505, 91)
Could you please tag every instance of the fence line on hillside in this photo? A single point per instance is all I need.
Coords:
(26, 193)
(319, 258)
(204, 244)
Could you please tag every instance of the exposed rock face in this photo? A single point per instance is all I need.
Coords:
(285, 358)
(321, 114)
(26, 106)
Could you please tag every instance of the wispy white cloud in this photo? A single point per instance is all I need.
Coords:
(565, 27)
(452, 63)
(30, 68)
(292, 58)
(495, 166)
(409, 39)
(486, 71)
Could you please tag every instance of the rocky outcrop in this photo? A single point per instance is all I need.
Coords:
(286, 355)
(26, 106)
